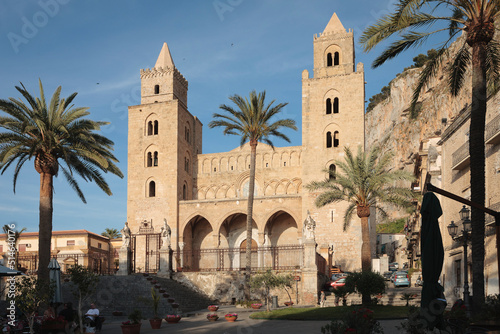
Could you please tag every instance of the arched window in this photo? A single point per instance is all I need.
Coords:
(329, 60)
(157, 89)
(188, 137)
(149, 160)
(336, 59)
(155, 131)
(328, 106)
(155, 159)
(184, 192)
(336, 139)
(152, 189)
(150, 128)
(328, 139)
(332, 170)
(336, 105)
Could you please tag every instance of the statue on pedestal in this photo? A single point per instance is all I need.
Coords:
(125, 236)
(165, 234)
(308, 230)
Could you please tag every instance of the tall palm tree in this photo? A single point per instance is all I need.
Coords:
(52, 134)
(111, 233)
(252, 120)
(16, 234)
(475, 19)
(364, 181)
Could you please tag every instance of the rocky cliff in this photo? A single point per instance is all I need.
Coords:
(389, 123)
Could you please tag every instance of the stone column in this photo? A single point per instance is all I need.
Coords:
(181, 253)
(310, 274)
(165, 262)
(124, 262)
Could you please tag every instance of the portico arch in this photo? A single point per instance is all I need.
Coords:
(196, 236)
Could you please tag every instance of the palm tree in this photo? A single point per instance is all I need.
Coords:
(53, 133)
(252, 121)
(365, 181)
(16, 234)
(475, 19)
(111, 233)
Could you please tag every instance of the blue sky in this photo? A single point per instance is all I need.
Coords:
(222, 47)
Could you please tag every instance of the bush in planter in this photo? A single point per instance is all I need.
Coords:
(212, 317)
(213, 308)
(268, 280)
(155, 302)
(366, 283)
(133, 325)
(357, 321)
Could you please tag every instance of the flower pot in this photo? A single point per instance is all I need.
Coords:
(171, 300)
(166, 295)
(117, 313)
(175, 305)
(231, 319)
(173, 319)
(288, 303)
(213, 308)
(157, 286)
(212, 319)
(149, 278)
(131, 329)
(155, 323)
(256, 306)
(161, 290)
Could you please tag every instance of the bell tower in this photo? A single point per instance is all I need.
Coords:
(332, 118)
(164, 139)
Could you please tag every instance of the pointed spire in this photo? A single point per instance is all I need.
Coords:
(165, 59)
(334, 25)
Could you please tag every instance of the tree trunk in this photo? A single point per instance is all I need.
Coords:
(45, 225)
(477, 170)
(251, 187)
(366, 256)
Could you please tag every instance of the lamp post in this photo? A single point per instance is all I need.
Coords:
(453, 231)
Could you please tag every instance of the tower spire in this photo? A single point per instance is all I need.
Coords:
(165, 59)
(334, 25)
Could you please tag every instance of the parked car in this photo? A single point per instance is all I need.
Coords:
(401, 279)
(387, 275)
(337, 283)
(393, 266)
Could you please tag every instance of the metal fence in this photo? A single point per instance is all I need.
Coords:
(286, 257)
(99, 263)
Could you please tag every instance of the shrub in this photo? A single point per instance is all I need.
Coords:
(367, 283)
(359, 321)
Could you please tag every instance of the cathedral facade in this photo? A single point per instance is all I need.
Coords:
(203, 197)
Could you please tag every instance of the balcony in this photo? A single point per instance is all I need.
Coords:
(461, 158)
(492, 131)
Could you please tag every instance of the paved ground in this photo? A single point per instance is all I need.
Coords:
(198, 323)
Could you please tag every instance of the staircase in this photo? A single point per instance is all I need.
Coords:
(126, 293)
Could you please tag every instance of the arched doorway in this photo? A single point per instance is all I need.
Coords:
(197, 241)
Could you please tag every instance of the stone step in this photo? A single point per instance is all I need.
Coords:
(126, 293)
(392, 299)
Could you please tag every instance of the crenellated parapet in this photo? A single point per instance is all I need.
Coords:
(338, 35)
(156, 72)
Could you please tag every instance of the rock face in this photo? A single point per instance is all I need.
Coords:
(389, 123)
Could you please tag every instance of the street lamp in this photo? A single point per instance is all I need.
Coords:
(453, 231)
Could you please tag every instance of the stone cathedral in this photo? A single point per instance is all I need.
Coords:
(202, 197)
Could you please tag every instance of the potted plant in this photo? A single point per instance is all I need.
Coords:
(166, 295)
(173, 318)
(289, 303)
(133, 325)
(256, 306)
(155, 321)
(117, 313)
(174, 305)
(213, 308)
(231, 317)
(212, 317)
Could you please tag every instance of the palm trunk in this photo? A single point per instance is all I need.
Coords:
(477, 170)
(251, 187)
(366, 256)
(45, 225)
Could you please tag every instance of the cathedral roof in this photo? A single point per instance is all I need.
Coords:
(334, 25)
(165, 59)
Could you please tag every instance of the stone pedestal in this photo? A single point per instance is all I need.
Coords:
(124, 262)
(310, 274)
(165, 262)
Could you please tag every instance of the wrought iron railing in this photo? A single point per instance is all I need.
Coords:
(460, 154)
(99, 263)
(286, 257)
(492, 128)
